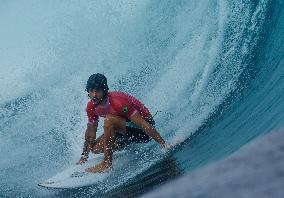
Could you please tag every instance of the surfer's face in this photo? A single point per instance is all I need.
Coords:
(96, 96)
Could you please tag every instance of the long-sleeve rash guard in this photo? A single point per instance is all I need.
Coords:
(119, 104)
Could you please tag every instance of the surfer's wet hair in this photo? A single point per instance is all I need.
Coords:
(97, 81)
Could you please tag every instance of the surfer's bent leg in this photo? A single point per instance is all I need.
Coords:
(119, 125)
(98, 146)
(112, 123)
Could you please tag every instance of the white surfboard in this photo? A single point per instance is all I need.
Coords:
(75, 177)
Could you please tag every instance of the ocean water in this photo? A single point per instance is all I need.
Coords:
(213, 70)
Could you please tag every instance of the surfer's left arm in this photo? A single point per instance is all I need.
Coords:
(149, 129)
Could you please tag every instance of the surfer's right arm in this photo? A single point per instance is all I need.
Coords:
(90, 138)
(90, 134)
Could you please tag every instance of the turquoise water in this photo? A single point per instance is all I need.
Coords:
(213, 68)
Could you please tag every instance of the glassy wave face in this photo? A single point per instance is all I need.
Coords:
(212, 69)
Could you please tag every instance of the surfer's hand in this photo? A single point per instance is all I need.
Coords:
(166, 146)
(82, 161)
(99, 168)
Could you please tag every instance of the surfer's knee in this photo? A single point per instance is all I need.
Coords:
(114, 122)
(109, 122)
(90, 141)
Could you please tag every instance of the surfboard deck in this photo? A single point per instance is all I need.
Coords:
(75, 177)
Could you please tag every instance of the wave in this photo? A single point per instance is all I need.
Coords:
(203, 64)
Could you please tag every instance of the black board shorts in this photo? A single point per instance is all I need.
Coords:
(133, 134)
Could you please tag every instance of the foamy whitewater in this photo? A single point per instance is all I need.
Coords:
(212, 69)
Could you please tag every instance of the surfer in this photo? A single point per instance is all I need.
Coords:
(126, 121)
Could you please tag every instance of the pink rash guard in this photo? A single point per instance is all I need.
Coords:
(119, 104)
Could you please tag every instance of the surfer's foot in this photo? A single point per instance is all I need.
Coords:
(99, 168)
